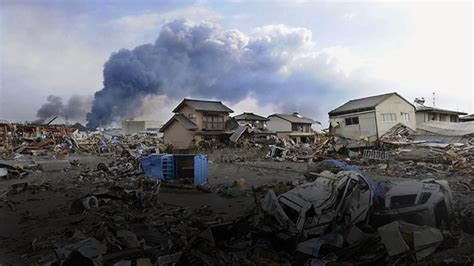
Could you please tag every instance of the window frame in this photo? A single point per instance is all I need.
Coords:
(391, 115)
(405, 116)
(213, 122)
(353, 120)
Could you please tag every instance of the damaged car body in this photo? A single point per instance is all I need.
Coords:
(311, 209)
(336, 201)
(426, 202)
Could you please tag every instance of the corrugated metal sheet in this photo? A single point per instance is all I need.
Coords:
(200, 169)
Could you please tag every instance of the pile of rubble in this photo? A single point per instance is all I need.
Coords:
(18, 140)
(337, 215)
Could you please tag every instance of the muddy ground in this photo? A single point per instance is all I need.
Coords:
(33, 216)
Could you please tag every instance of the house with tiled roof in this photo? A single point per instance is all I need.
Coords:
(196, 120)
(292, 126)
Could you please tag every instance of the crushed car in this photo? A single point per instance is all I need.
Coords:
(426, 202)
(338, 198)
(314, 208)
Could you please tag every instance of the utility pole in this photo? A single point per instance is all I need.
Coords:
(434, 100)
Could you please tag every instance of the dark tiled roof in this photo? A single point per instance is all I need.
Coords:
(188, 124)
(250, 117)
(362, 104)
(203, 105)
(295, 118)
(439, 110)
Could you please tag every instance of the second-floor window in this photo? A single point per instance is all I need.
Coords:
(352, 121)
(300, 127)
(213, 122)
(405, 117)
(390, 117)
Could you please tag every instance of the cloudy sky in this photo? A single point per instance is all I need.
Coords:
(260, 56)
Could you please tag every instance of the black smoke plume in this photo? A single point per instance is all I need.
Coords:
(275, 64)
(75, 109)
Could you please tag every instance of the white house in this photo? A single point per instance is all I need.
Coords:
(362, 121)
(428, 113)
(292, 126)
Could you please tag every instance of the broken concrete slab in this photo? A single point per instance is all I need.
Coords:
(399, 237)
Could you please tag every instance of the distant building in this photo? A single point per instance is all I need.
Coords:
(292, 126)
(426, 114)
(130, 127)
(257, 125)
(466, 118)
(196, 120)
(252, 119)
(362, 121)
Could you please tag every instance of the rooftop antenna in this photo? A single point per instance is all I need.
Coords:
(434, 100)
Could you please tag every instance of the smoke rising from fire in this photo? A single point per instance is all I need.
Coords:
(277, 64)
(75, 109)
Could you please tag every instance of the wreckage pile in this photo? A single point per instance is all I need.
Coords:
(18, 140)
(337, 215)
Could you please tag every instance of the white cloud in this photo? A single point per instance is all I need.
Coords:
(250, 104)
(349, 16)
(434, 57)
(152, 21)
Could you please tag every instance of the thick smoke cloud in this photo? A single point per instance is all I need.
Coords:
(275, 63)
(75, 109)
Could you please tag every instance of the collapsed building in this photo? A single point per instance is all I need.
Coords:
(362, 121)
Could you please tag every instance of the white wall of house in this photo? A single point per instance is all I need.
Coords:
(397, 106)
(365, 129)
(422, 117)
(276, 124)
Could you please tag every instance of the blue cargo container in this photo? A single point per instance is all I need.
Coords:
(170, 167)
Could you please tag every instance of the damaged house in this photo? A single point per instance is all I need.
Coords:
(427, 113)
(292, 126)
(362, 121)
(445, 132)
(253, 124)
(196, 120)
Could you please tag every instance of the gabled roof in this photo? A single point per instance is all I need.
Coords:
(295, 118)
(183, 120)
(363, 104)
(250, 117)
(204, 105)
(438, 110)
